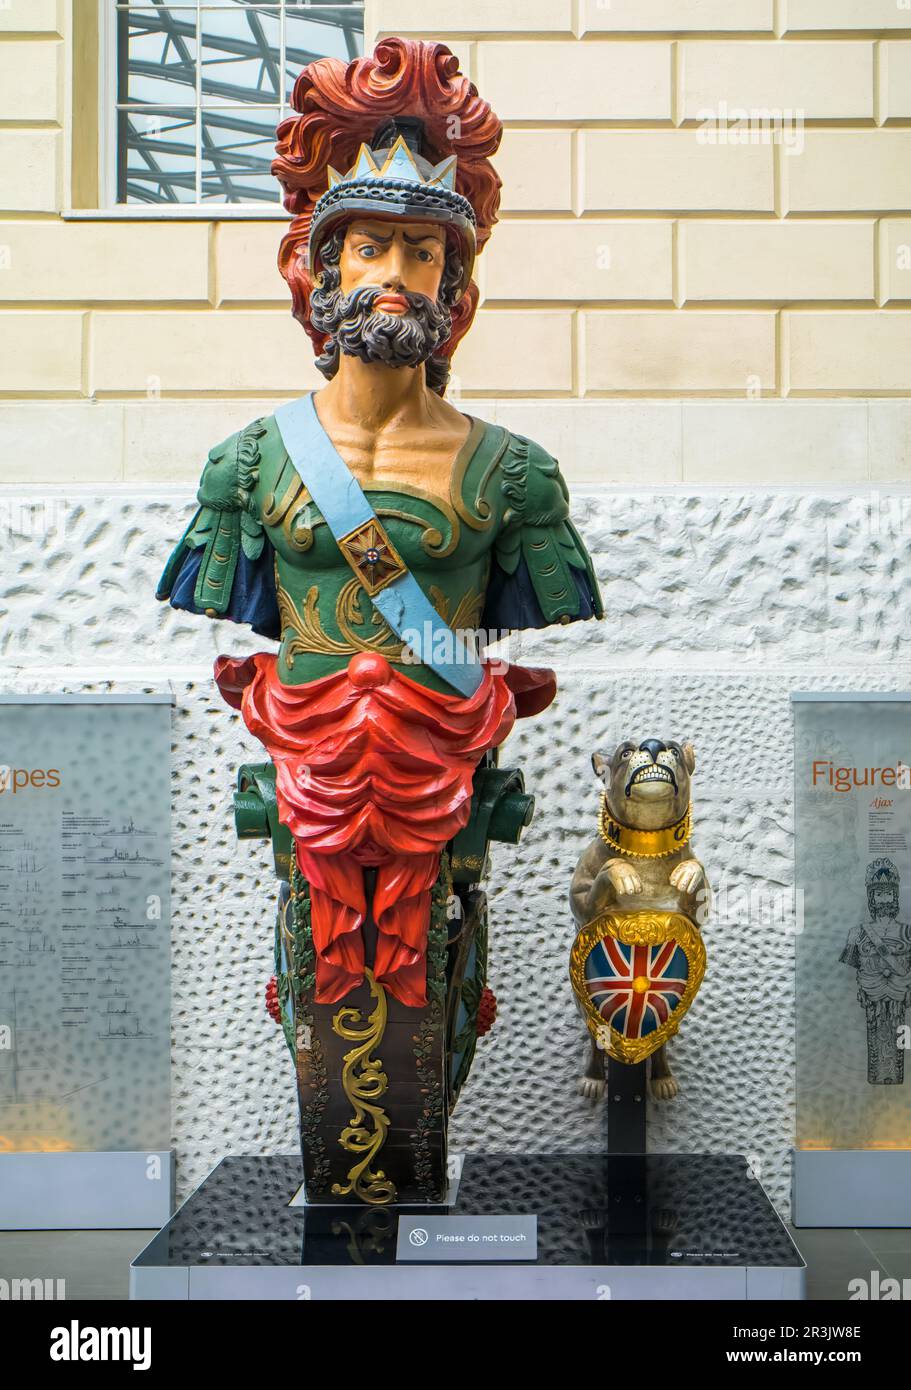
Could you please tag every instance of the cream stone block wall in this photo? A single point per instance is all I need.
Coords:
(536, 167)
(245, 263)
(664, 16)
(104, 261)
(539, 80)
(666, 352)
(150, 352)
(55, 439)
(485, 363)
(777, 260)
(895, 260)
(30, 81)
(587, 260)
(30, 171)
(826, 351)
(846, 14)
(846, 171)
(895, 80)
(31, 17)
(42, 353)
(478, 16)
(641, 251)
(823, 80)
(599, 441)
(672, 171)
(33, 63)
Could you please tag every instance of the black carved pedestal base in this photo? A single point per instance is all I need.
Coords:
(366, 1141)
(371, 1071)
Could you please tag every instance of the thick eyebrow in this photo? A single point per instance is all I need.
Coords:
(413, 240)
(374, 236)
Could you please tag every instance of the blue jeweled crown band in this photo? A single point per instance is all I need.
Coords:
(396, 183)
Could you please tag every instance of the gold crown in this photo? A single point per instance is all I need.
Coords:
(399, 163)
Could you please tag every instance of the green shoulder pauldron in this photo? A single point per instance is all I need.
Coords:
(225, 523)
(537, 529)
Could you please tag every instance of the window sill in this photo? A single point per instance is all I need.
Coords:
(141, 212)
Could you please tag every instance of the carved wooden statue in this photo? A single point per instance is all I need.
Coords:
(638, 897)
(371, 528)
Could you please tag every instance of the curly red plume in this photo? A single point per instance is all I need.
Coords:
(342, 105)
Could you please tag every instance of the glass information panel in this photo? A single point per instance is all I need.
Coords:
(853, 874)
(84, 922)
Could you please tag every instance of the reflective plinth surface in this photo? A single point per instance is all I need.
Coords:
(667, 1210)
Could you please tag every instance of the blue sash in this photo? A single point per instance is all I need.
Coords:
(362, 539)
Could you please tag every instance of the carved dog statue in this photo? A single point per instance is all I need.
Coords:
(641, 863)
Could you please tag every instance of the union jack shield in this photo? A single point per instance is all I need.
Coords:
(635, 974)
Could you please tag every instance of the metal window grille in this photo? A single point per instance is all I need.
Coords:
(201, 86)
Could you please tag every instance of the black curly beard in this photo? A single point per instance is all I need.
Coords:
(399, 340)
(356, 328)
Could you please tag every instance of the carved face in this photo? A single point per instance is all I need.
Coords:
(382, 296)
(409, 257)
(647, 783)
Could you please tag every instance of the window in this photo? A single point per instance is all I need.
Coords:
(199, 87)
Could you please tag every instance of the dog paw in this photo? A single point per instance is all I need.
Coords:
(686, 875)
(624, 877)
(664, 1088)
(591, 1088)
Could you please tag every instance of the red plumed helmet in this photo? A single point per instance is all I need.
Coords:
(341, 106)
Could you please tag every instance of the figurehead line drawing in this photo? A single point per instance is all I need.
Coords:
(373, 529)
(879, 949)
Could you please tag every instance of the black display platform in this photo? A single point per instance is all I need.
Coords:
(624, 1226)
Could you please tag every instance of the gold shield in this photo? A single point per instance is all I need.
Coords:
(637, 929)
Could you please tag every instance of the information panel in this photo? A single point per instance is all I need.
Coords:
(853, 863)
(84, 922)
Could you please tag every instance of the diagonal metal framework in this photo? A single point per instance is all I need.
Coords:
(206, 133)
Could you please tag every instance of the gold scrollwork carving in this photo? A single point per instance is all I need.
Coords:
(365, 1083)
(298, 527)
(311, 636)
(277, 502)
(433, 542)
(468, 609)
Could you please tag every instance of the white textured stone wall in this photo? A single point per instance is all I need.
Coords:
(719, 604)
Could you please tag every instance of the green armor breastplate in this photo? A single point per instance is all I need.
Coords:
(501, 548)
(326, 615)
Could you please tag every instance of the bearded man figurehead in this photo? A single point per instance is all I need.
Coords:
(379, 258)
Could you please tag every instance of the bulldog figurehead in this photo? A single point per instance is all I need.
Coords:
(646, 795)
(639, 897)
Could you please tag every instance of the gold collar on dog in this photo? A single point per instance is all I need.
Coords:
(645, 844)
